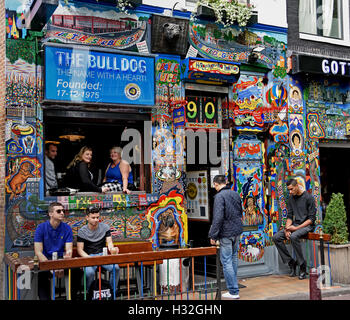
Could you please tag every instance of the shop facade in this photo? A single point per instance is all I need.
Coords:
(319, 85)
(210, 100)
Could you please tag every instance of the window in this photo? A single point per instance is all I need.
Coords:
(324, 21)
(100, 131)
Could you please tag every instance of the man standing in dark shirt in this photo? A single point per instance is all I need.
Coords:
(300, 220)
(91, 240)
(227, 228)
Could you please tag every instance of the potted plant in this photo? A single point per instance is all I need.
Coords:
(339, 249)
(226, 12)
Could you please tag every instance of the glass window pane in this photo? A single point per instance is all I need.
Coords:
(331, 18)
(308, 16)
(321, 17)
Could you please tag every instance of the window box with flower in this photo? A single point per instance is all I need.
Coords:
(226, 12)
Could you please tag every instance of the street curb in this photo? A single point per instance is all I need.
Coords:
(306, 295)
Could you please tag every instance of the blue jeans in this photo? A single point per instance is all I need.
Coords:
(90, 273)
(229, 260)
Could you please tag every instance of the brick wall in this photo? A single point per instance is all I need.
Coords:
(297, 45)
(2, 140)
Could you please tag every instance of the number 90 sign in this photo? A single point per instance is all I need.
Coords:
(201, 110)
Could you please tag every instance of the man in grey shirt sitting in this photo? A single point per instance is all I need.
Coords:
(91, 240)
(50, 174)
(300, 220)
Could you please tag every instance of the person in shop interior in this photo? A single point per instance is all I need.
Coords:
(78, 174)
(50, 174)
(118, 176)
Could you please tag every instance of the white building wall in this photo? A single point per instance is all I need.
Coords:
(270, 12)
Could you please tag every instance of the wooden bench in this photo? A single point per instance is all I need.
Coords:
(130, 247)
(314, 236)
(133, 247)
(317, 236)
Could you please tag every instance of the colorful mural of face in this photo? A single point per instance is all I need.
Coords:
(168, 219)
(296, 141)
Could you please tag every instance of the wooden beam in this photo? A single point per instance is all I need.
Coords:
(316, 236)
(126, 258)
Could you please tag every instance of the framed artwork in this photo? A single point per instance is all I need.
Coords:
(197, 195)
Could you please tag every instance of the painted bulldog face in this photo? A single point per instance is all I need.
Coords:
(171, 31)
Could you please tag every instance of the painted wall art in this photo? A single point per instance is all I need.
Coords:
(98, 25)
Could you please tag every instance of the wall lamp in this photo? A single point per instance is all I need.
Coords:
(182, 9)
(253, 56)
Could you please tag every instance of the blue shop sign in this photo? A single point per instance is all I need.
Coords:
(214, 71)
(78, 74)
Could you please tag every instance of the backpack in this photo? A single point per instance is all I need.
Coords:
(106, 290)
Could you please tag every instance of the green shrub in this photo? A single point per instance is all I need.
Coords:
(335, 220)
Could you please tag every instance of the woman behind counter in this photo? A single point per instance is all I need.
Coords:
(118, 175)
(78, 173)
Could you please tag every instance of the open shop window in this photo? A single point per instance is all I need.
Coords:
(69, 131)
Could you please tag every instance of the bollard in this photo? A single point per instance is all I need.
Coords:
(218, 272)
(315, 291)
(322, 255)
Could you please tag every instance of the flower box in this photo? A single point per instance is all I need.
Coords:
(339, 256)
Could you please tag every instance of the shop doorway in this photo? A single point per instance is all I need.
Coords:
(335, 174)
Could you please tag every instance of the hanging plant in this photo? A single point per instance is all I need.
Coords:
(228, 12)
(123, 6)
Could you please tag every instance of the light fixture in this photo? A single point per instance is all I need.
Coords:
(72, 135)
(253, 56)
(52, 142)
(181, 9)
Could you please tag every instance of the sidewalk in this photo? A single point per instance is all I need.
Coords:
(283, 287)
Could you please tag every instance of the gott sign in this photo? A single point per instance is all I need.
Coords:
(336, 67)
(320, 65)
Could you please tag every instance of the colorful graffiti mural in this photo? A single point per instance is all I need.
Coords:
(328, 108)
(96, 25)
(125, 214)
(234, 44)
(168, 220)
(276, 123)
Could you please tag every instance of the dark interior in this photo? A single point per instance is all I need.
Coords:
(335, 175)
(101, 132)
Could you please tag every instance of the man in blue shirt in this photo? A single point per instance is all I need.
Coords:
(52, 236)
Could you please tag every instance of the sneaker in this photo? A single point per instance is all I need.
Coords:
(302, 272)
(292, 267)
(228, 295)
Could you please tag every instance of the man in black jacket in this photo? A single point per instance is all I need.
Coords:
(300, 220)
(227, 228)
